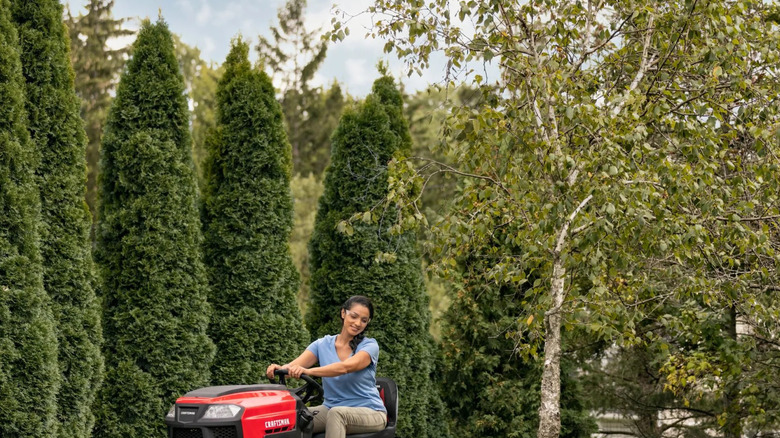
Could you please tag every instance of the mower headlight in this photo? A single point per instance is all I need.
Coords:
(221, 411)
(172, 412)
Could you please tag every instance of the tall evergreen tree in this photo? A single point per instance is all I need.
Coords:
(29, 377)
(248, 218)
(154, 283)
(97, 67)
(365, 258)
(58, 136)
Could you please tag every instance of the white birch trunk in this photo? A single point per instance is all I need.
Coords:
(550, 409)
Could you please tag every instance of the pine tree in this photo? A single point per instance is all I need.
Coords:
(350, 261)
(59, 139)
(29, 377)
(154, 283)
(248, 219)
(311, 114)
(97, 68)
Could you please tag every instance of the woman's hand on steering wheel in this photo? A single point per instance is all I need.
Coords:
(296, 371)
(269, 372)
(312, 390)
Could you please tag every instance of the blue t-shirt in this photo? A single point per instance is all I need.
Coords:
(358, 389)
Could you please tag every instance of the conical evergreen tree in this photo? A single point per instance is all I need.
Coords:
(58, 136)
(29, 377)
(248, 218)
(154, 283)
(345, 263)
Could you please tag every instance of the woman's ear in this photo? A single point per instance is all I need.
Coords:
(343, 314)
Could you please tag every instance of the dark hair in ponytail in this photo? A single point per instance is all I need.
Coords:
(364, 301)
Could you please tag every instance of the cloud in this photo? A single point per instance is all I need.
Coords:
(185, 5)
(357, 73)
(204, 14)
(208, 46)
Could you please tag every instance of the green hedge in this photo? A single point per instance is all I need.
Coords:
(29, 377)
(154, 284)
(343, 264)
(248, 218)
(58, 135)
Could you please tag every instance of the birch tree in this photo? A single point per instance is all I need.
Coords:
(586, 166)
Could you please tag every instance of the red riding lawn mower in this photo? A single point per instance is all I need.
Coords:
(264, 410)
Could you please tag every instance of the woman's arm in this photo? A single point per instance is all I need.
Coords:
(355, 363)
(305, 360)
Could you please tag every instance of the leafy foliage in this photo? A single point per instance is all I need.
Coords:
(427, 111)
(488, 390)
(627, 148)
(154, 283)
(349, 259)
(29, 377)
(59, 139)
(248, 217)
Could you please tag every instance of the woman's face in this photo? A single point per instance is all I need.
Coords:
(356, 319)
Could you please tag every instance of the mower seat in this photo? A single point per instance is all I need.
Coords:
(388, 390)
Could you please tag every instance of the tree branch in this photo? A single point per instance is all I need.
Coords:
(592, 50)
(640, 181)
(565, 230)
(749, 219)
(450, 169)
(643, 66)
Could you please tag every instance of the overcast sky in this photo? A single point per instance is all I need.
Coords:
(210, 25)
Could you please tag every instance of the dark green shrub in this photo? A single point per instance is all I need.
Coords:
(29, 378)
(345, 263)
(154, 284)
(488, 388)
(248, 218)
(58, 136)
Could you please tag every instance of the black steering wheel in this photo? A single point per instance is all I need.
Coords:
(311, 391)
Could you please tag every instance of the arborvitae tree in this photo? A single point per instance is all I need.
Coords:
(488, 387)
(365, 258)
(58, 137)
(154, 284)
(248, 218)
(97, 68)
(29, 377)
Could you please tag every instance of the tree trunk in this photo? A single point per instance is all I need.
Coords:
(733, 426)
(550, 408)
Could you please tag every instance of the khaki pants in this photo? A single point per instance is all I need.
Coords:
(341, 420)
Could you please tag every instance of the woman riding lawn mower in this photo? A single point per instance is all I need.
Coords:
(356, 403)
